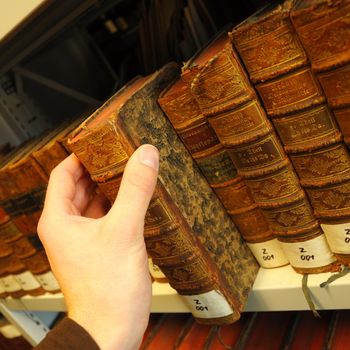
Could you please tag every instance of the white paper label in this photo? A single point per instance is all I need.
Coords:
(48, 281)
(154, 270)
(338, 237)
(309, 254)
(27, 281)
(269, 254)
(9, 331)
(11, 284)
(208, 305)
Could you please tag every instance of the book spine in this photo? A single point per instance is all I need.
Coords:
(296, 104)
(214, 162)
(50, 156)
(20, 231)
(258, 155)
(168, 239)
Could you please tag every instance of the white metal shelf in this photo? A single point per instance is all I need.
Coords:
(274, 290)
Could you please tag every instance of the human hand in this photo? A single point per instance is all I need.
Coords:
(99, 258)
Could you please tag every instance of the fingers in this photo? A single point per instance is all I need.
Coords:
(62, 186)
(136, 189)
(98, 207)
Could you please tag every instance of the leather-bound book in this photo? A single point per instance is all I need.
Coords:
(296, 104)
(201, 141)
(49, 154)
(323, 28)
(227, 98)
(187, 231)
(26, 192)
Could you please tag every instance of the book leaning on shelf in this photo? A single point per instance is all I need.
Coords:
(201, 141)
(187, 231)
(227, 99)
(296, 104)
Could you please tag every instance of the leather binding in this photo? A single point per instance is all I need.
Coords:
(27, 193)
(196, 246)
(296, 104)
(227, 98)
(18, 279)
(201, 141)
(49, 154)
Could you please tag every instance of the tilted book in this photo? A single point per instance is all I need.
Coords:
(201, 141)
(187, 231)
(227, 98)
(296, 104)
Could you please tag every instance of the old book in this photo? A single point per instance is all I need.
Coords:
(28, 189)
(227, 98)
(196, 246)
(295, 102)
(19, 279)
(322, 27)
(201, 141)
(49, 154)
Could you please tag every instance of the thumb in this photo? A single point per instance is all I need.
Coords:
(136, 190)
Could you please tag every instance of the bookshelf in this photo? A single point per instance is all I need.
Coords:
(274, 290)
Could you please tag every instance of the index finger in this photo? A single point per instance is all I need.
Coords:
(62, 186)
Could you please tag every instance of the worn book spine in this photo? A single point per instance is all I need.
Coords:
(226, 97)
(196, 246)
(296, 104)
(27, 197)
(201, 141)
(19, 280)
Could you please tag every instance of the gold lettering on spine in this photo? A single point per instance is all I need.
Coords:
(199, 138)
(291, 92)
(310, 125)
(263, 153)
(242, 121)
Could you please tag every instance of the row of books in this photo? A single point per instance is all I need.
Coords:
(265, 330)
(24, 174)
(265, 162)
(268, 145)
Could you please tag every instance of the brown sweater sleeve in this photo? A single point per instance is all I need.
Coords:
(67, 335)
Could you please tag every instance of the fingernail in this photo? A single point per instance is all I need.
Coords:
(149, 156)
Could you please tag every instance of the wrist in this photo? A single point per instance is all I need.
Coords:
(110, 334)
